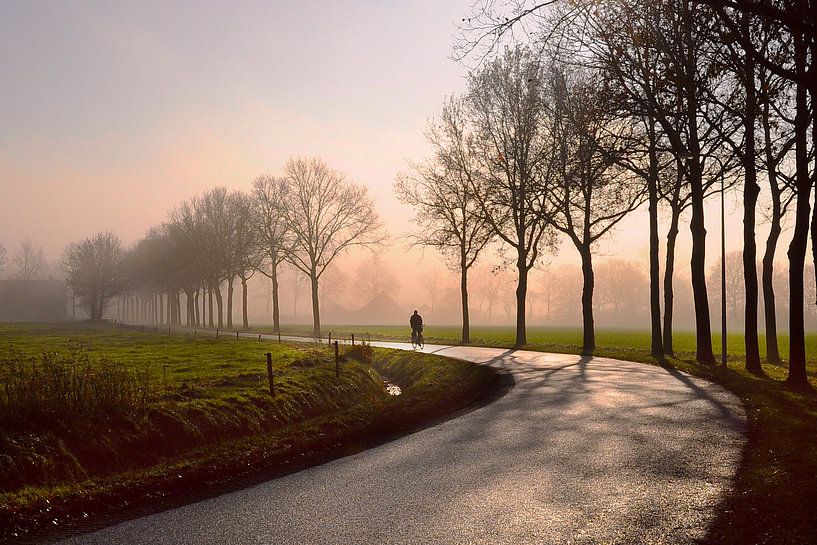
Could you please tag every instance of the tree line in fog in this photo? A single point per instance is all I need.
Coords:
(602, 108)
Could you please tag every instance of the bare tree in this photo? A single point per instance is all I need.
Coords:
(506, 101)
(28, 262)
(434, 285)
(374, 277)
(326, 215)
(269, 213)
(245, 252)
(3, 258)
(591, 194)
(775, 99)
(94, 271)
(448, 213)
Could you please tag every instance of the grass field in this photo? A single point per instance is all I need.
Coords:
(203, 413)
(627, 343)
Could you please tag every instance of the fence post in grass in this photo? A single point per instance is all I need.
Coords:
(330, 337)
(195, 332)
(337, 360)
(353, 339)
(259, 337)
(168, 330)
(236, 334)
(270, 376)
(216, 333)
(279, 336)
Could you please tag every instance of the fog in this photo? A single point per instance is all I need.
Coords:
(116, 114)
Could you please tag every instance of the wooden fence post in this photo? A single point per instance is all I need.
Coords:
(353, 339)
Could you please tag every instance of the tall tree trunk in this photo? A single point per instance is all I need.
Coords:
(244, 317)
(230, 303)
(656, 344)
(521, 295)
(316, 311)
(466, 320)
(219, 305)
(210, 321)
(276, 312)
(751, 190)
(813, 93)
(697, 226)
(669, 271)
(588, 285)
(799, 241)
(190, 315)
(769, 310)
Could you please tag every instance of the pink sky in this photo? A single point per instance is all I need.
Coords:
(112, 115)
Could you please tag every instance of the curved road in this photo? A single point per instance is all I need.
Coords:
(581, 450)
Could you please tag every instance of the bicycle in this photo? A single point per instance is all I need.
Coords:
(417, 340)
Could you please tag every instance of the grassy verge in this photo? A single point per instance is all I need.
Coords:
(203, 420)
(773, 500)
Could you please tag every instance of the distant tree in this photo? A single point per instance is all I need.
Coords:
(442, 192)
(216, 227)
(269, 196)
(3, 258)
(28, 262)
(94, 271)
(333, 285)
(434, 284)
(506, 100)
(735, 287)
(373, 277)
(327, 215)
(620, 284)
(245, 254)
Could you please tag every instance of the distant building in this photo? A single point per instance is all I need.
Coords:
(32, 301)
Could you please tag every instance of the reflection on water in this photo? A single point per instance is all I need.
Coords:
(392, 389)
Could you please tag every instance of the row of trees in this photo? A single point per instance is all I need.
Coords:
(305, 217)
(611, 104)
(27, 263)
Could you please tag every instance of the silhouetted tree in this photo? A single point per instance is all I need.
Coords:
(507, 105)
(326, 215)
(442, 192)
(94, 271)
(274, 237)
(591, 194)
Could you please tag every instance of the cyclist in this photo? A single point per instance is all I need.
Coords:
(416, 322)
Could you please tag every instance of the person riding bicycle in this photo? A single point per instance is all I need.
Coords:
(416, 322)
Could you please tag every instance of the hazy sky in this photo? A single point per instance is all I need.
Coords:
(113, 112)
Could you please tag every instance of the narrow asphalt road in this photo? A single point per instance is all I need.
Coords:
(581, 450)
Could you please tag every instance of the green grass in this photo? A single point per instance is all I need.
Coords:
(209, 415)
(629, 343)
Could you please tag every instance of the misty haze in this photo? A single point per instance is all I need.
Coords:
(463, 272)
